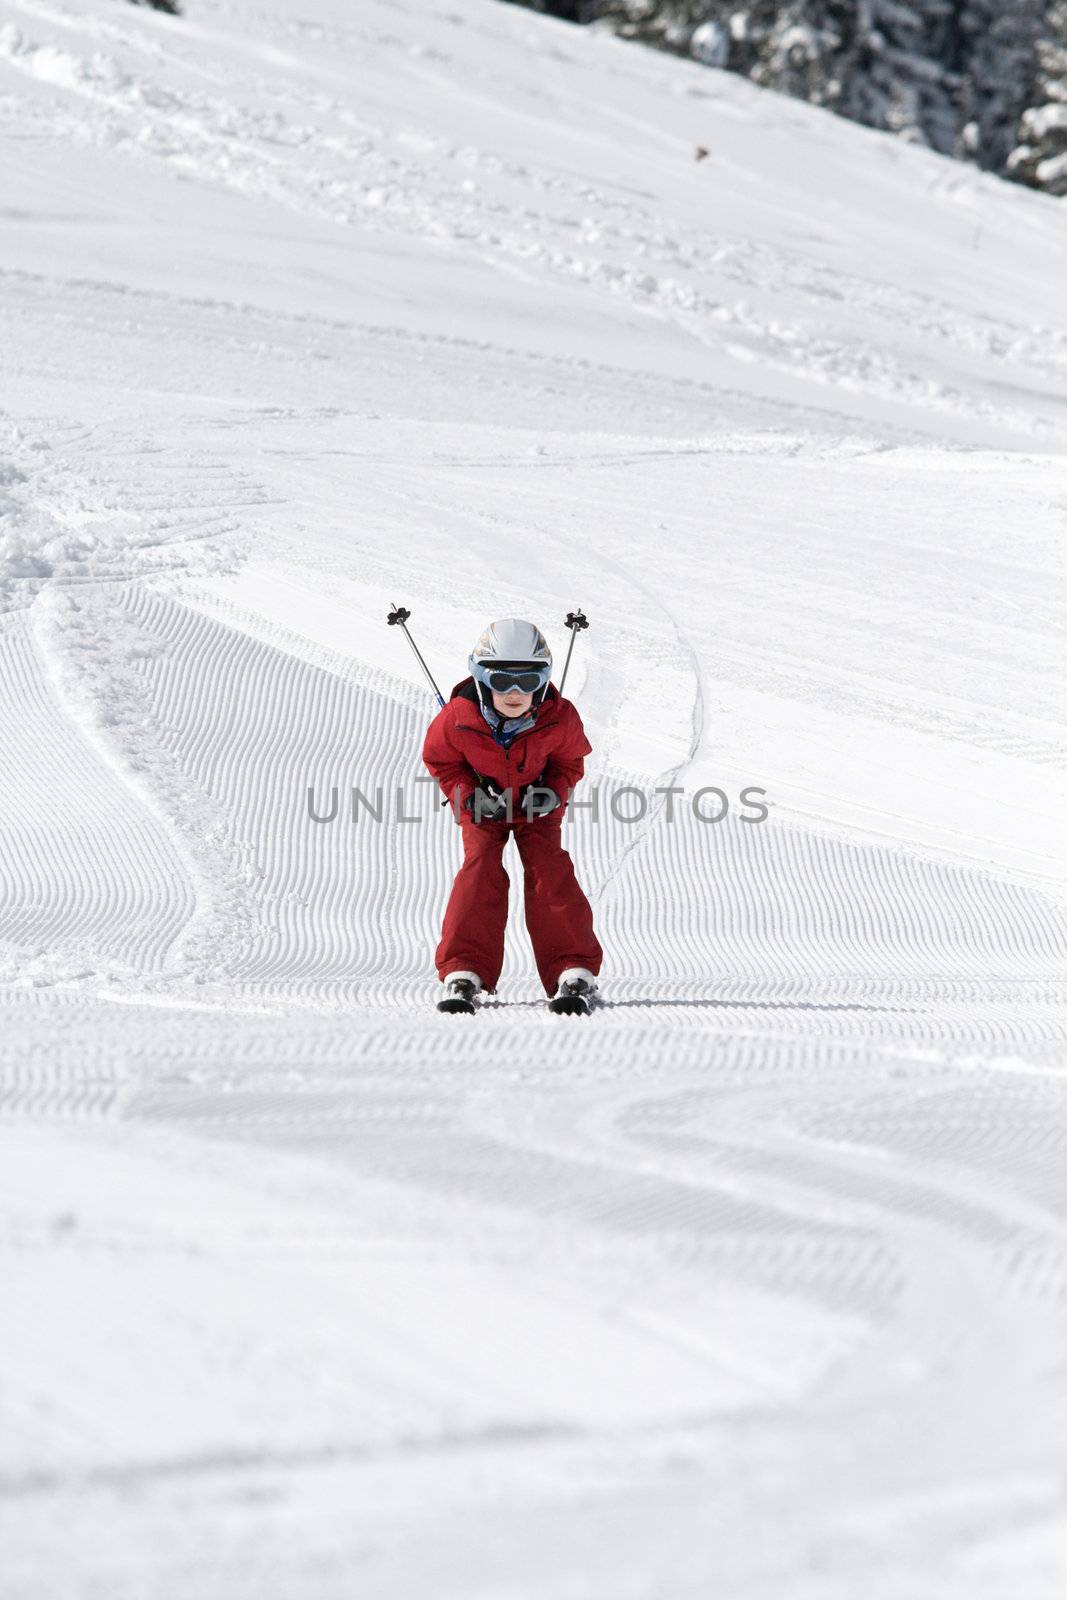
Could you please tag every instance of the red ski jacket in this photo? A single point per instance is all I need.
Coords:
(459, 748)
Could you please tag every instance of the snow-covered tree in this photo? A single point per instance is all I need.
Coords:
(903, 69)
(806, 50)
(1040, 156)
(1000, 44)
(717, 32)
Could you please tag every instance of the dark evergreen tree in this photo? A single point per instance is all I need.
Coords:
(806, 51)
(1040, 156)
(903, 70)
(715, 31)
(1001, 52)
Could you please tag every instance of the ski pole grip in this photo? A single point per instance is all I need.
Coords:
(576, 621)
(398, 616)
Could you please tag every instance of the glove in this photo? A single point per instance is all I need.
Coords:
(539, 801)
(485, 806)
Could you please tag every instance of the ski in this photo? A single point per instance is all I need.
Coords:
(569, 1005)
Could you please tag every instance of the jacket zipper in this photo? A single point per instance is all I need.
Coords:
(469, 728)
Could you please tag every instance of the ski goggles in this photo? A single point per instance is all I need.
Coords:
(522, 675)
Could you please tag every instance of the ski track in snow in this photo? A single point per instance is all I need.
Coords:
(755, 1280)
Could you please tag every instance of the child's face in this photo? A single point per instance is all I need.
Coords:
(512, 703)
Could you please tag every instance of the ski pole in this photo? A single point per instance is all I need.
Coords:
(400, 615)
(576, 621)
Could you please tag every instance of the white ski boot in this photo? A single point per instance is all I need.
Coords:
(460, 989)
(577, 989)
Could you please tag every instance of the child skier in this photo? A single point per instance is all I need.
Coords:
(506, 730)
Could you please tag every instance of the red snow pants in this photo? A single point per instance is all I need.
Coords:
(558, 915)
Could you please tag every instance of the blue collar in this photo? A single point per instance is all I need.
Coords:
(505, 728)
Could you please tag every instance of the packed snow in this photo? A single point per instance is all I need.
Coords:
(754, 1282)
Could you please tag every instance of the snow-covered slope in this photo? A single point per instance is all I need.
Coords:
(757, 1279)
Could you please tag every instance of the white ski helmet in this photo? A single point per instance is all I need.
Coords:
(514, 645)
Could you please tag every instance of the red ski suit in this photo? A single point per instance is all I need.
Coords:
(458, 749)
